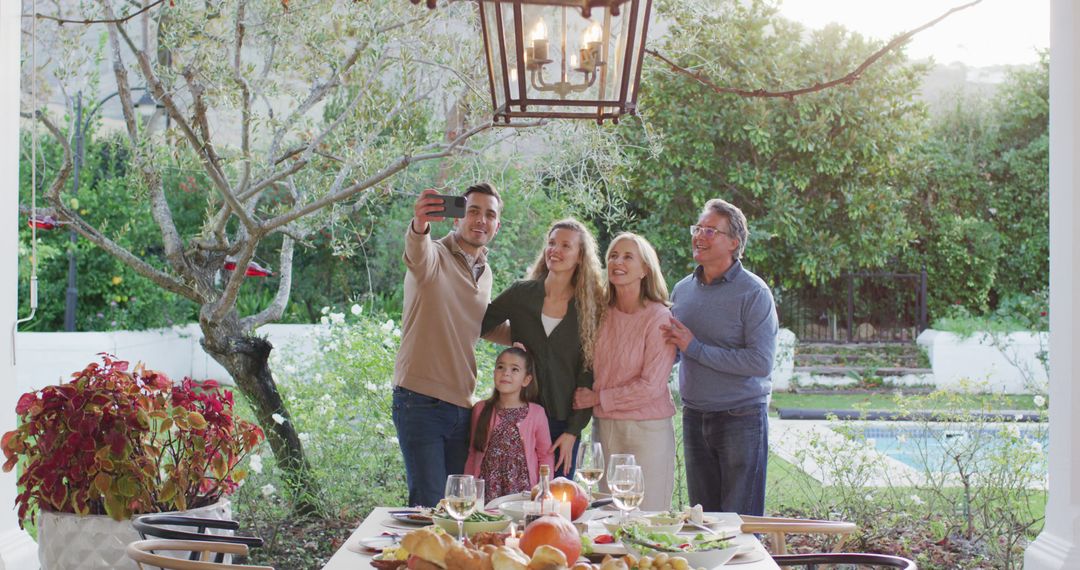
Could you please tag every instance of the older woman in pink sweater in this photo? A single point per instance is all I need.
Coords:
(632, 363)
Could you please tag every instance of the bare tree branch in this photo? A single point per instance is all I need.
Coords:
(88, 231)
(245, 101)
(387, 171)
(321, 90)
(847, 79)
(111, 20)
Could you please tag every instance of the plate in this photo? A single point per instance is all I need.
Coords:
(513, 509)
(747, 553)
(412, 517)
(375, 544)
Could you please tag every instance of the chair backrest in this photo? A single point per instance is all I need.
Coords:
(153, 526)
(778, 528)
(849, 560)
(141, 552)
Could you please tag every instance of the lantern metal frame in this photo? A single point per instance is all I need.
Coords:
(624, 99)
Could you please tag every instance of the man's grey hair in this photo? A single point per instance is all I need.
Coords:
(736, 221)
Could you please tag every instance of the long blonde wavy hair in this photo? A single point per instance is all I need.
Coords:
(588, 282)
(653, 286)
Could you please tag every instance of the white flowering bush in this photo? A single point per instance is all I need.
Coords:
(340, 400)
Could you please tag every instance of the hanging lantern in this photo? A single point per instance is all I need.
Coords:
(575, 59)
(564, 58)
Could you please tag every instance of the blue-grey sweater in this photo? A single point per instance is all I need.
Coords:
(729, 362)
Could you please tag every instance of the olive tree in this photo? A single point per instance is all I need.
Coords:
(289, 116)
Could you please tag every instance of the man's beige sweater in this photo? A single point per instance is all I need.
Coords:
(440, 322)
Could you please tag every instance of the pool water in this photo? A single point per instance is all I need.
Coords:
(935, 448)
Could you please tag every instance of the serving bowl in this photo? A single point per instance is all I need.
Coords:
(471, 527)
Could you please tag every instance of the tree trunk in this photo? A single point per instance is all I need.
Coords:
(245, 357)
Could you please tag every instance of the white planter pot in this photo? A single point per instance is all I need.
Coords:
(96, 542)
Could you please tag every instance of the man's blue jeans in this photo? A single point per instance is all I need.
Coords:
(434, 440)
(726, 455)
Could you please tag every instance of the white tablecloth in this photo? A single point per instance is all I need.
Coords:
(348, 558)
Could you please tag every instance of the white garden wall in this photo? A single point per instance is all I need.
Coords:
(784, 366)
(1007, 364)
(46, 358)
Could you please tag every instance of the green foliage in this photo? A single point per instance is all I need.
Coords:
(1014, 313)
(111, 296)
(963, 257)
(821, 177)
(982, 188)
(339, 398)
(980, 483)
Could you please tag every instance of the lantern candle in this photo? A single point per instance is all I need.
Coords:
(540, 41)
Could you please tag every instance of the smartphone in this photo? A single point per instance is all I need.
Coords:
(453, 206)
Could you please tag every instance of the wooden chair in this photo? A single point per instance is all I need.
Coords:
(811, 561)
(153, 526)
(141, 552)
(778, 528)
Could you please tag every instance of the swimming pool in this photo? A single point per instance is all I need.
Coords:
(940, 448)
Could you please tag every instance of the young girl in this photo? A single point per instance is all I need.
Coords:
(510, 438)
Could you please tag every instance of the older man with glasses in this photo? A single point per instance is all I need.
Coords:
(724, 324)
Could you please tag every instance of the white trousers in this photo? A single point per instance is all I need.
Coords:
(653, 444)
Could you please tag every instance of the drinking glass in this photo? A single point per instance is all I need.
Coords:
(481, 494)
(590, 465)
(627, 488)
(615, 461)
(460, 500)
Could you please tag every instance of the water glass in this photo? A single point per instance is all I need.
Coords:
(460, 500)
(627, 488)
(590, 465)
(481, 494)
(615, 461)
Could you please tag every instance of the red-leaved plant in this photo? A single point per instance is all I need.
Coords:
(119, 442)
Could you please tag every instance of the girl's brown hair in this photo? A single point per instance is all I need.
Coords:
(528, 394)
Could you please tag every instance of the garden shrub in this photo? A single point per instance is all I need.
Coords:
(975, 503)
(340, 398)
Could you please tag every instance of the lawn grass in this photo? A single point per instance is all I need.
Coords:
(888, 401)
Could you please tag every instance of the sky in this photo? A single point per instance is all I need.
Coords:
(990, 33)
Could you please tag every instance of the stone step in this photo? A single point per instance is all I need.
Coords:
(860, 371)
(902, 361)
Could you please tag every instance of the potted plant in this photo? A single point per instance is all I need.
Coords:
(114, 442)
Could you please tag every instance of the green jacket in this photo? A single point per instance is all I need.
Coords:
(559, 363)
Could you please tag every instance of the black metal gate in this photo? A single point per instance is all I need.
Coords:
(858, 307)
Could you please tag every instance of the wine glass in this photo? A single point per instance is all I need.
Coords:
(615, 461)
(460, 500)
(590, 465)
(627, 488)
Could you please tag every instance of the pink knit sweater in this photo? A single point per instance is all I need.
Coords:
(632, 364)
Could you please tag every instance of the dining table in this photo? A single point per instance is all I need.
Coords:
(350, 555)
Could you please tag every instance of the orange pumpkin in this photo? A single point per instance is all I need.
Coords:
(555, 531)
(568, 491)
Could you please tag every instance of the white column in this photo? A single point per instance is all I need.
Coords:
(1059, 544)
(17, 549)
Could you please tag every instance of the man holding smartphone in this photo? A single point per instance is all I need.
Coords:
(447, 290)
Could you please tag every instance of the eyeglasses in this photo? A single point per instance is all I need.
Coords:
(709, 232)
